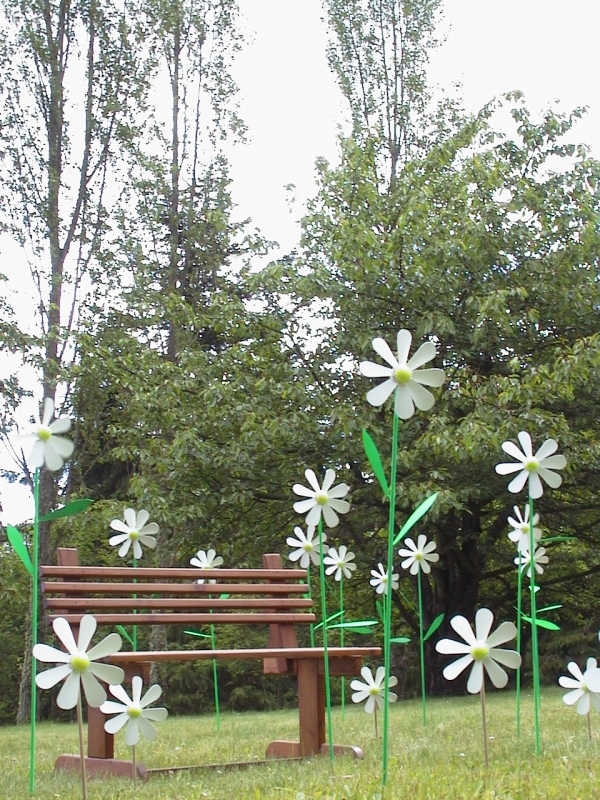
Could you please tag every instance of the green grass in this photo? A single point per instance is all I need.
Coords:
(443, 761)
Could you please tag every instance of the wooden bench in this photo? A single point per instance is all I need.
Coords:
(271, 596)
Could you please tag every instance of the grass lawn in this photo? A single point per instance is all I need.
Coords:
(443, 761)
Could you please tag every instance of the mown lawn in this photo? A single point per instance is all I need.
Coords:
(443, 761)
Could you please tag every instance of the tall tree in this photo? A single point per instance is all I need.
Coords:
(58, 137)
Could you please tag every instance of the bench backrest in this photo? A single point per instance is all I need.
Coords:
(167, 596)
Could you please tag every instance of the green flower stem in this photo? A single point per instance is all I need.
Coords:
(519, 623)
(387, 604)
(534, 636)
(421, 645)
(135, 611)
(342, 644)
(309, 595)
(326, 655)
(215, 677)
(34, 625)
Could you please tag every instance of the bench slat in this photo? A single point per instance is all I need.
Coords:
(122, 603)
(168, 573)
(187, 619)
(230, 655)
(65, 587)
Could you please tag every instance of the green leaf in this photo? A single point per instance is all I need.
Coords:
(224, 596)
(400, 640)
(558, 539)
(197, 633)
(76, 507)
(375, 461)
(15, 538)
(379, 607)
(124, 633)
(356, 624)
(433, 627)
(333, 616)
(543, 623)
(549, 608)
(416, 516)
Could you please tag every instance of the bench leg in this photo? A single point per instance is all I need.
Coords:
(100, 743)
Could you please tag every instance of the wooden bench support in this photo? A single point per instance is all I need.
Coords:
(100, 767)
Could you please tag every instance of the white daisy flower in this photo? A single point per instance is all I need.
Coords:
(77, 664)
(403, 375)
(373, 689)
(480, 650)
(49, 448)
(539, 557)
(520, 533)
(417, 555)
(307, 547)
(135, 530)
(586, 686)
(326, 499)
(208, 560)
(532, 467)
(339, 562)
(380, 580)
(134, 713)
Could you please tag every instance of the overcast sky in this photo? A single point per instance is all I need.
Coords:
(291, 104)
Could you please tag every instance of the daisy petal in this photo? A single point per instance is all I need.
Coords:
(110, 707)
(94, 691)
(403, 342)
(118, 539)
(454, 669)
(49, 678)
(570, 698)
(462, 627)
(53, 460)
(422, 397)
(554, 462)
(43, 652)
(117, 525)
(137, 550)
(568, 683)
(425, 353)
(151, 696)
(157, 714)
(124, 549)
(130, 517)
(109, 673)
(573, 668)
(147, 729)
(48, 411)
(141, 519)
(504, 633)
(506, 469)
(87, 628)
(64, 447)
(136, 688)
(382, 349)
(115, 724)
(525, 440)
(314, 515)
(341, 490)
(371, 370)
(451, 647)
(404, 405)
(341, 506)
(511, 449)
(150, 541)
(61, 425)
(550, 446)
(553, 479)
(498, 676)
(67, 697)
(380, 393)
(328, 480)
(119, 692)
(36, 459)
(149, 530)
(331, 518)
(483, 624)
(303, 491)
(475, 681)
(509, 658)
(536, 490)
(301, 506)
(583, 706)
(132, 732)
(517, 484)
(312, 479)
(107, 647)
(63, 630)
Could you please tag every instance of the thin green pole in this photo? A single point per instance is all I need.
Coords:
(215, 677)
(326, 654)
(421, 646)
(519, 623)
(34, 625)
(342, 644)
(387, 605)
(309, 595)
(534, 636)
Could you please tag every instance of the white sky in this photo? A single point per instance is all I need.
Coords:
(291, 104)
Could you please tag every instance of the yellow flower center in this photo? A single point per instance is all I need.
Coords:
(79, 662)
(135, 535)
(384, 578)
(479, 651)
(322, 498)
(525, 527)
(402, 375)
(373, 690)
(134, 711)
(44, 433)
(418, 556)
(308, 547)
(531, 465)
